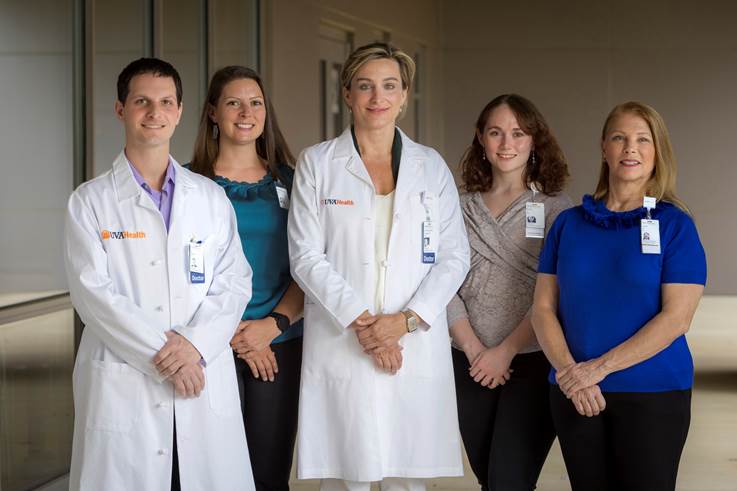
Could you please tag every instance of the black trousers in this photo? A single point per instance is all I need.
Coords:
(634, 444)
(175, 483)
(270, 416)
(507, 431)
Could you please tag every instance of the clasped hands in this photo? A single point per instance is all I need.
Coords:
(379, 337)
(179, 362)
(578, 381)
(252, 344)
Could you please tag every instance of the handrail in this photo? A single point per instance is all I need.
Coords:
(33, 308)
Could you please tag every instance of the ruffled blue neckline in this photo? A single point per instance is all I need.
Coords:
(596, 213)
(249, 191)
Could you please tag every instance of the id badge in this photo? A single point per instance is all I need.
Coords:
(428, 248)
(282, 195)
(534, 220)
(196, 262)
(650, 236)
(429, 237)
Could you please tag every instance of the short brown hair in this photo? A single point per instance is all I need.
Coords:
(549, 171)
(378, 51)
(270, 146)
(662, 183)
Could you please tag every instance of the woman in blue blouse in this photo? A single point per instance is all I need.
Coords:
(612, 304)
(240, 146)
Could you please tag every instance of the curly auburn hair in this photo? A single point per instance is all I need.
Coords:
(549, 171)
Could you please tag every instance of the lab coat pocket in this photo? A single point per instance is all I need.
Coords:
(222, 386)
(114, 396)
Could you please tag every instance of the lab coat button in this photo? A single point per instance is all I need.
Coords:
(384, 263)
(163, 451)
(162, 405)
(159, 309)
(155, 262)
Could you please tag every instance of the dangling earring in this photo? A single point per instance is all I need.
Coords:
(215, 132)
(533, 158)
(483, 152)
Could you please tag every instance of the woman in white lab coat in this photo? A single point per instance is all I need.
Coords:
(378, 245)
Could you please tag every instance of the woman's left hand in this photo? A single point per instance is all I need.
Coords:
(254, 335)
(580, 376)
(380, 332)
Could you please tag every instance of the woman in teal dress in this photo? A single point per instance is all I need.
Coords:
(239, 146)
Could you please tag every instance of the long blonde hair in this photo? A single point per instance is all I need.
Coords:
(662, 183)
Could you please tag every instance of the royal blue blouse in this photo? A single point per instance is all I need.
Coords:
(609, 289)
(262, 226)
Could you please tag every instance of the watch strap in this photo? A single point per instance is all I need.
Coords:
(282, 321)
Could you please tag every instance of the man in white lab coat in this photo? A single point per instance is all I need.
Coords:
(157, 273)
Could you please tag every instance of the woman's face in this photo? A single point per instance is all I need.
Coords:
(506, 145)
(240, 112)
(629, 150)
(376, 95)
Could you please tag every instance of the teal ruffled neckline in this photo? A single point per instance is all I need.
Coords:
(249, 191)
(596, 212)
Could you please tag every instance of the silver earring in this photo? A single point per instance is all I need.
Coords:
(215, 132)
(483, 152)
(533, 157)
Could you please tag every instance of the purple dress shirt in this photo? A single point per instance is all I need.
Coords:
(162, 199)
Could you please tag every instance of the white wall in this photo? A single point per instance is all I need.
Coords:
(578, 59)
(36, 141)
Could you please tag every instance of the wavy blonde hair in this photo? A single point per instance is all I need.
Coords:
(662, 183)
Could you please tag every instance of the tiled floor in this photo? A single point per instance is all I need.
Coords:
(709, 461)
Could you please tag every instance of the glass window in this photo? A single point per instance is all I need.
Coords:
(234, 33)
(36, 137)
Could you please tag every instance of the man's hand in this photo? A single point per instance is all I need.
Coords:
(381, 332)
(254, 335)
(491, 367)
(176, 353)
(389, 360)
(189, 380)
(262, 363)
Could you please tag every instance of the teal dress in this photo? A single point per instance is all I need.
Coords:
(262, 227)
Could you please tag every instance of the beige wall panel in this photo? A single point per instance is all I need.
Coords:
(577, 59)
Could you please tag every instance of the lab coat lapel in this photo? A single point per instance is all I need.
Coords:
(345, 150)
(411, 177)
(183, 183)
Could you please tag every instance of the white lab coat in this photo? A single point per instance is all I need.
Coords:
(356, 422)
(129, 291)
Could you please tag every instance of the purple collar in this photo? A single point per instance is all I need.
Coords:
(162, 199)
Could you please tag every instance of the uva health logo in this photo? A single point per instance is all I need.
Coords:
(122, 234)
(335, 201)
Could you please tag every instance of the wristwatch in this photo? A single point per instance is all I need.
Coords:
(282, 321)
(412, 320)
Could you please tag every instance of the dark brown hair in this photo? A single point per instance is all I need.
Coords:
(550, 170)
(270, 146)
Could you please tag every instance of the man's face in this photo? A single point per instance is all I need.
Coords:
(150, 113)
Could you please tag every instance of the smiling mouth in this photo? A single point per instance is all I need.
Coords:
(153, 126)
(506, 155)
(245, 126)
(630, 163)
